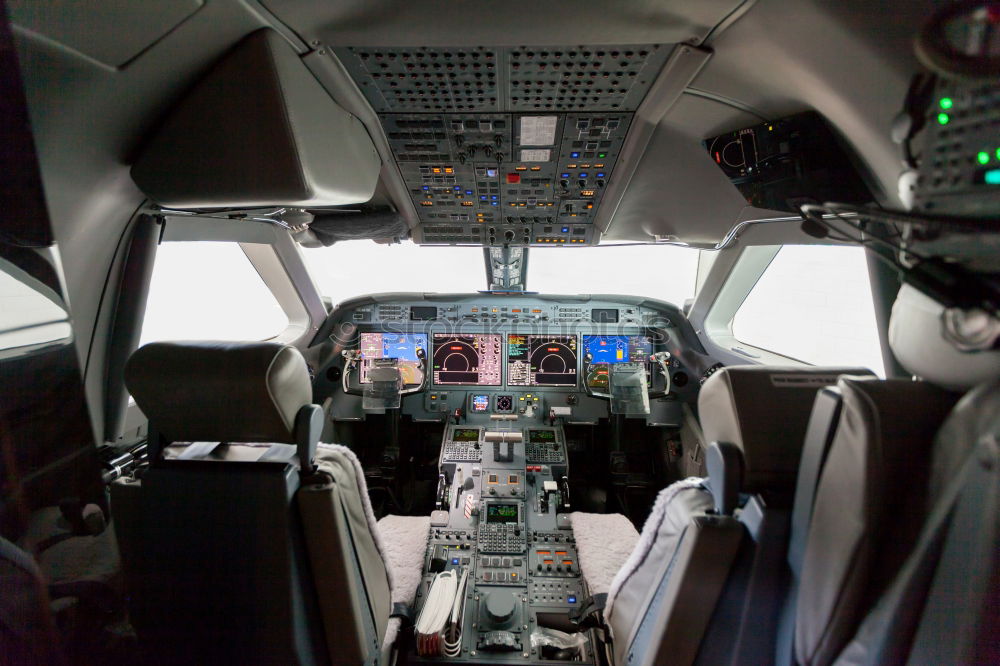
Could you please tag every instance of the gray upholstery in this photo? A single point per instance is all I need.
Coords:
(956, 557)
(258, 130)
(679, 592)
(764, 410)
(870, 503)
(220, 391)
(349, 568)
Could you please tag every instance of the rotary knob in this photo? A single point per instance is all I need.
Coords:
(500, 606)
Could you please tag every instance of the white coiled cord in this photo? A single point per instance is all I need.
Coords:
(441, 615)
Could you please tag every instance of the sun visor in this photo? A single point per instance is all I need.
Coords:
(258, 130)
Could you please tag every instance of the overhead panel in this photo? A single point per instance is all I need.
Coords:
(506, 145)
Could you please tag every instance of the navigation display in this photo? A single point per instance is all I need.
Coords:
(606, 350)
(618, 348)
(501, 513)
(467, 360)
(400, 346)
(541, 360)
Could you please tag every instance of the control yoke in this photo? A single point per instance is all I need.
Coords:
(385, 372)
(628, 390)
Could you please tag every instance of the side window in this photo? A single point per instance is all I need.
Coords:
(813, 303)
(208, 291)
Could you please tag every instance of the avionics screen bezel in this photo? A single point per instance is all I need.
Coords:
(531, 382)
(441, 338)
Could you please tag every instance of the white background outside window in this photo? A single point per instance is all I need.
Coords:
(208, 291)
(814, 303)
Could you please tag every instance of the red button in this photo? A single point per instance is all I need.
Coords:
(513, 178)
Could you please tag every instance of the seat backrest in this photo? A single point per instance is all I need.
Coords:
(231, 538)
(665, 597)
(941, 608)
(869, 504)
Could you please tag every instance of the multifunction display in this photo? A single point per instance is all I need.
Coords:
(465, 435)
(617, 348)
(400, 346)
(470, 360)
(541, 436)
(606, 350)
(541, 360)
(501, 513)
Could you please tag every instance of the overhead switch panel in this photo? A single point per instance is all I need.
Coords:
(506, 145)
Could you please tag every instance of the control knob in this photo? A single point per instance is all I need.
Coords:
(500, 606)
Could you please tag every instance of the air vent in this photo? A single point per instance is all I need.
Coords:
(482, 80)
(584, 78)
(423, 79)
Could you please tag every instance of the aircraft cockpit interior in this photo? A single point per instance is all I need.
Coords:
(428, 332)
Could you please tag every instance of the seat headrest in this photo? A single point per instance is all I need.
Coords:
(765, 410)
(220, 391)
(917, 337)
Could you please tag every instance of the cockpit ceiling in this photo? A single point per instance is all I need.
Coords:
(506, 144)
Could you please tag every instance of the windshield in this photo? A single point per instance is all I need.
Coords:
(355, 268)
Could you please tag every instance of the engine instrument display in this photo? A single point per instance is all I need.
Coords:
(400, 346)
(605, 350)
(467, 360)
(541, 360)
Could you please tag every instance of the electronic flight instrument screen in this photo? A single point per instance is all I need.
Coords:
(608, 349)
(469, 360)
(497, 512)
(541, 360)
(400, 346)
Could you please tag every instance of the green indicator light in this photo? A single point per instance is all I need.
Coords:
(998, 153)
(992, 177)
(602, 155)
(983, 157)
(943, 118)
(946, 103)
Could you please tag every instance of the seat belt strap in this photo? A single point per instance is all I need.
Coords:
(966, 571)
(885, 635)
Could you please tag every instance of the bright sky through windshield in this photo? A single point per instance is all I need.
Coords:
(353, 268)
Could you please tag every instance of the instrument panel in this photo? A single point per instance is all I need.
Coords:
(492, 356)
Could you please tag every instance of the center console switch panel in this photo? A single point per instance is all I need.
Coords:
(508, 533)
